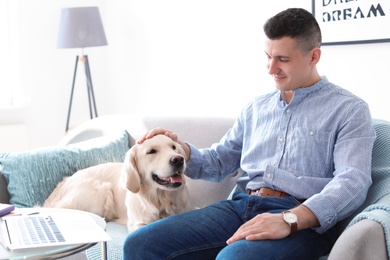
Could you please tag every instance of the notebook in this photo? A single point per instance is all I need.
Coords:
(5, 209)
(47, 230)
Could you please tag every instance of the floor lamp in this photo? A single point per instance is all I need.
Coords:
(81, 27)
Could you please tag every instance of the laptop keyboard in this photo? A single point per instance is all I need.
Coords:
(35, 230)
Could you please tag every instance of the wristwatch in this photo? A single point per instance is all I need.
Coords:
(292, 220)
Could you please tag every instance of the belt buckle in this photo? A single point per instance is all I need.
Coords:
(253, 192)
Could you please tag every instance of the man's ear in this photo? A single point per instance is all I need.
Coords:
(315, 55)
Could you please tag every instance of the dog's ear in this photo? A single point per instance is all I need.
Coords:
(181, 151)
(130, 173)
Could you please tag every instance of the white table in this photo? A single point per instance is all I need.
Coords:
(54, 252)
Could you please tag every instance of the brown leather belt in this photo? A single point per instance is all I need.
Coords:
(267, 192)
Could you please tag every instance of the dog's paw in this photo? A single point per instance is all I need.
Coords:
(133, 227)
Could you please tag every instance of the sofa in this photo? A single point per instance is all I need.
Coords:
(28, 177)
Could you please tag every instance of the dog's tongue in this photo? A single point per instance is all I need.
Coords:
(176, 178)
(173, 178)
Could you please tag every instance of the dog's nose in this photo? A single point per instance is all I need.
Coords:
(177, 161)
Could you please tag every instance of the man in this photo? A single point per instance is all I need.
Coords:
(306, 149)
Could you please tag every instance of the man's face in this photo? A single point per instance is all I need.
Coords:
(289, 66)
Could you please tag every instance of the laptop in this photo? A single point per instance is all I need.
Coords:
(47, 229)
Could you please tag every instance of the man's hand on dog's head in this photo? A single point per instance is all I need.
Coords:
(157, 131)
(170, 134)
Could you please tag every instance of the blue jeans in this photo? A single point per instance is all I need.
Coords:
(202, 234)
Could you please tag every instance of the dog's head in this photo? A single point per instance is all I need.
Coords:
(157, 163)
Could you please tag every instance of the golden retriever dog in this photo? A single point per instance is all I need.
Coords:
(97, 189)
(148, 186)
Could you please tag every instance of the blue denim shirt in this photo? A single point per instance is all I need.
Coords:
(318, 148)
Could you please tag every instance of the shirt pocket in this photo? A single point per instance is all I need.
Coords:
(314, 146)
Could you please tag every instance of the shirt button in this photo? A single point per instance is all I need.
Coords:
(281, 139)
(311, 133)
(288, 110)
(269, 175)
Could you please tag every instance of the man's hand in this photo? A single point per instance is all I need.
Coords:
(273, 226)
(263, 226)
(157, 131)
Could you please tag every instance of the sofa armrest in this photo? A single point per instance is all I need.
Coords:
(365, 237)
(104, 125)
(363, 240)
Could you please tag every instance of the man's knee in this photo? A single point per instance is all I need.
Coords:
(133, 245)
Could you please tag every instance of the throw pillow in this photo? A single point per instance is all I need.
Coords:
(33, 175)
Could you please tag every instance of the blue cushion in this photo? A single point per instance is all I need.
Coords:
(33, 175)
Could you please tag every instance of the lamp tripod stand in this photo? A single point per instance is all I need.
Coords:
(91, 95)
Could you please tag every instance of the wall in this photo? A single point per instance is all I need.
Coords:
(361, 69)
(171, 57)
(46, 74)
(206, 58)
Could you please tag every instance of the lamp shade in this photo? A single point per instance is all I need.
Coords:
(81, 27)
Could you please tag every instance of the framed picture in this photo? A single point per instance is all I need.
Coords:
(352, 21)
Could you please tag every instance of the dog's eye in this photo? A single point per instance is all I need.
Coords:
(173, 147)
(152, 151)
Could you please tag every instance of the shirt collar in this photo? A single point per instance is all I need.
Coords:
(302, 92)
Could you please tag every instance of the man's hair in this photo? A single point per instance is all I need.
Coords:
(296, 23)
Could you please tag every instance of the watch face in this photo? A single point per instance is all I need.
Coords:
(290, 217)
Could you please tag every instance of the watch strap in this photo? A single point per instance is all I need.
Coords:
(293, 225)
(294, 228)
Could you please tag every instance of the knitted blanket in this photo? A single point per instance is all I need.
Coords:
(377, 204)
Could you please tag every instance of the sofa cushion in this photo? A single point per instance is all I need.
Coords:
(32, 175)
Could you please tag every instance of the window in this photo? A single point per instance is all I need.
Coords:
(10, 83)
